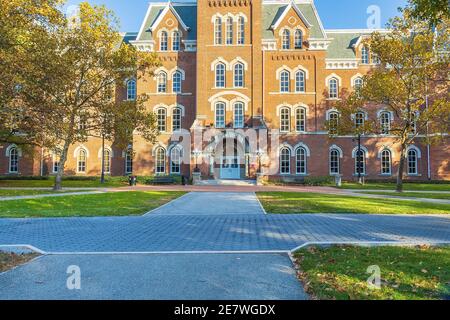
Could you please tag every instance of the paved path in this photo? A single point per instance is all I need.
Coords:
(168, 276)
(50, 195)
(235, 232)
(211, 203)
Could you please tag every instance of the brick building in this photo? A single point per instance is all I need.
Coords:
(244, 84)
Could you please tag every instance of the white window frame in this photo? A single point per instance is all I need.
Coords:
(131, 90)
(161, 115)
(333, 88)
(162, 82)
(239, 77)
(220, 75)
(364, 157)
(385, 127)
(163, 41)
(301, 161)
(382, 162)
(298, 39)
(300, 119)
(82, 162)
(241, 31)
(333, 120)
(177, 114)
(129, 161)
(416, 162)
(13, 161)
(218, 31)
(238, 113)
(300, 81)
(285, 152)
(365, 55)
(175, 161)
(220, 119)
(285, 77)
(286, 39)
(160, 162)
(176, 41)
(334, 164)
(285, 119)
(229, 31)
(177, 79)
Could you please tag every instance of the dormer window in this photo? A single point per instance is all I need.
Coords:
(365, 58)
(286, 39)
(298, 41)
(176, 39)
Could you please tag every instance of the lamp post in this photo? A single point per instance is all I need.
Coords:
(259, 154)
(196, 154)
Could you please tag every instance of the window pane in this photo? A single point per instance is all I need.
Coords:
(300, 121)
(176, 41)
(131, 90)
(239, 115)
(239, 75)
(230, 30)
(176, 82)
(129, 162)
(162, 82)
(220, 75)
(163, 44)
(160, 161)
(301, 161)
(241, 30)
(220, 115)
(300, 81)
(285, 120)
(13, 160)
(175, 161)
(285, 161)
(334, 162)
(286, 40)
(176, 119)
(284, 81)
(161, 115)
(298, 39)
(360, 162)
(218, 31)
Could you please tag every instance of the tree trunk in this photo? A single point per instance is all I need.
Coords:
(62, 163)
(401, 168)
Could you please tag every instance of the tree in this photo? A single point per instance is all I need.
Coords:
(72, 88)
(24, 26)
(433, 11)
(411, 83)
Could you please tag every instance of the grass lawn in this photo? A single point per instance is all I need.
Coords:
(67, 184)
(443, 196)
(11, 260)
(292, 202)
(105, 204)
(18, 192)
(407, 273)
(391, 186)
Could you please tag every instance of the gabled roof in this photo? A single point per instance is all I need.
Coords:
(285, 11)
(274, 11)
(185, 12)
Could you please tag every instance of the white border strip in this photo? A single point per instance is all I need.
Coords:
(260, 204)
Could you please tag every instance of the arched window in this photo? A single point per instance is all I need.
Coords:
(412, 162)
(107, 160)
(360, 162)
(238, 115)
(358, 84)
(218, 31)
(285, 161)
(239, 75)
(161, 119)
(333, 122)
(175, 161)
(220, 75)
(229, 30)
(129, 161)
(386, 162)
(335, 167)
(300, 160)
(300, 81)
(385, 122)
(163, 41)
(81, 161)
(285, 120)
(333, 86)
(176, 82)
(298, 41)
(176, 39)
(162, 82)
(365, 59)
(360, 118)
(220, 115)
(131, 90)
(284, 81)
(286, 39)
(160, 163)
(176, 119)
(300, 119)
(241, 30)
(13, 160)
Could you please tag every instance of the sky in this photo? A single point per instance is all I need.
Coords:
(335, 14)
